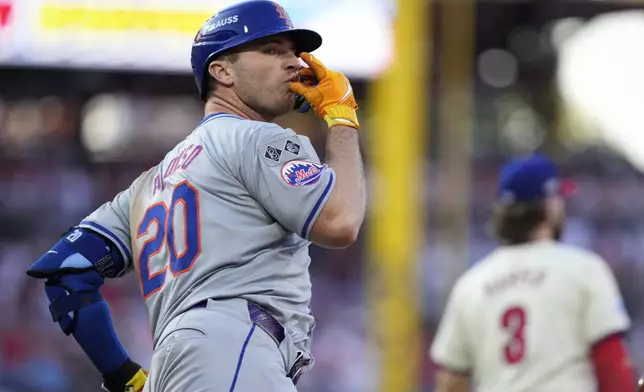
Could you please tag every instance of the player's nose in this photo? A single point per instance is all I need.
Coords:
(292, 62)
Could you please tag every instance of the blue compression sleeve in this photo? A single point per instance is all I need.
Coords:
(94, 330)
(75, 269)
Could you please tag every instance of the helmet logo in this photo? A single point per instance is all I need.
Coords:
(283, 15)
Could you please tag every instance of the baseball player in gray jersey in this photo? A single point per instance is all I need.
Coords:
(218, 232)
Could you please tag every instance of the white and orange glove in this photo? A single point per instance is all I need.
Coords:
(332, 97)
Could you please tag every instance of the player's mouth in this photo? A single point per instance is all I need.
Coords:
(288, 86)
(290, 95)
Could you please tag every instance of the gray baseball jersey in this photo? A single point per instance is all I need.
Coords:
(226, 214)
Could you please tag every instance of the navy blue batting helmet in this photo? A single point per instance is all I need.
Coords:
(239, 24)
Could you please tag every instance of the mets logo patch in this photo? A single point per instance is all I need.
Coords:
(300, 173)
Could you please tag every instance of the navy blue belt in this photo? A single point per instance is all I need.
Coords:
(263, 319)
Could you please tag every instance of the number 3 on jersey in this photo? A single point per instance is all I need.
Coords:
(186, 198)
(513, 320)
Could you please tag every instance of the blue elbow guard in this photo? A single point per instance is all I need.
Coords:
(79, 250)
(69, 294)
(75, 269)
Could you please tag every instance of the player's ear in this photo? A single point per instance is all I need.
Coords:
(222, 72)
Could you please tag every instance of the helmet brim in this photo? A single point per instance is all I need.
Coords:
(304, 40)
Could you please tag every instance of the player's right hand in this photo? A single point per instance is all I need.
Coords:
(332, 98)
(135, 384)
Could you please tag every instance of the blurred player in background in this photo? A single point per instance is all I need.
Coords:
(219, 231)
(535, 314)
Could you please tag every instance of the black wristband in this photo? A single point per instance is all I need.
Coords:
(115, 381)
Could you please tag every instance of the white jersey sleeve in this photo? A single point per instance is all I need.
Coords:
(283, 173)
(112, 220)
(449, 348)
(604, 312)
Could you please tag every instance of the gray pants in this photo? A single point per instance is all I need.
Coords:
(218, 349)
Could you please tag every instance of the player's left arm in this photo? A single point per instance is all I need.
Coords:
(74, 270)
(282, 171)
(450, 348)
(605, 322)
(613, 368)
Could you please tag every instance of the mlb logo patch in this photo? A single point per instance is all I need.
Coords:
(292, 147)
(300, 173)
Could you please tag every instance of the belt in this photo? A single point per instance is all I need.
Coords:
(263, 319)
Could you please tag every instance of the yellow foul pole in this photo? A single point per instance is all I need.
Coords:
(397, 144)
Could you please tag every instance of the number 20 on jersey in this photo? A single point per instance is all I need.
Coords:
(184, 197)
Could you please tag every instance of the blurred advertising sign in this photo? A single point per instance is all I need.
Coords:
(156, 35)
(5, 13)
(7, 29)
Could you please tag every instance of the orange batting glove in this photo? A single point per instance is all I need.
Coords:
(332, 98)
